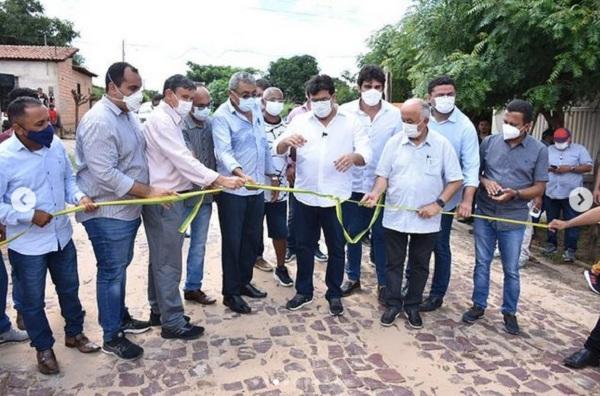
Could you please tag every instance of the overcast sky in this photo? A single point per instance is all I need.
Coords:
(161, 36)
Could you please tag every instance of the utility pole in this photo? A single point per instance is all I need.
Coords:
(45, 40)
(123, 50)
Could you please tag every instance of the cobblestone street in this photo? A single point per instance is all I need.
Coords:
(277, 352)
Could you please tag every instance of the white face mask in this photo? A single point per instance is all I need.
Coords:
(321, 109)
(510, 132)
(371, 97)
(183, 107)
(201, 114)
(411, 130)
(561, 146)
(274, 108)
(134, 101)
(444, 104)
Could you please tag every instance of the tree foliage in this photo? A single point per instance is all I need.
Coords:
(22, 22)
(290, 75)
(344, 92)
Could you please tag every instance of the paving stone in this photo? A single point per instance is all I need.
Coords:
(520, 373)
(373, 384)
(294, 366)
(389, 375)
(171, 380)
(130, 379)
(325, 375)
(279, 331)
(507, 381)
(335, 351)
(255, 383)
(354, 349)
(351, 381)
(262, 346)
(153, 388)
(246, 353)
(305, 384)
(537, 386)
(297, 353)
(233, 386)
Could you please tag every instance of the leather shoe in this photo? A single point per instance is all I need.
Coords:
(82, 343)
(47, 363)
(20, 321)
(237, 304)
(252, 291)
(431, 303)
(582, 358)
(198, 296)
(349, 286)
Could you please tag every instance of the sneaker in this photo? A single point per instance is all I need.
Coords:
(134, 326)
(350, 286)
(122, 348)
(523, 261)
(187, 332)
(282, 276)
(289, 256)
(335, 307)
(263, 265)
(549, 249)
(414, 318)
(155, 319)
(593, 281)
(389, 316)
(20, 321)
(569, 256)
(13, 335)
(474, 313)
(298, 301)
(510, 324)
(320, 256)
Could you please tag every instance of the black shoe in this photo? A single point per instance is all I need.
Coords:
(335, 306)
(431, 304)
(237, 304)
(282, 276)
(381, 294)
(473, 314)
(289, 256)
(155, 319)
(187, 332)
(298, 301)
(510, 324)
(320, 256)
(252, 291)
(134, 326)
(349, 286)
(122, 348)
(582, 358)
(414, 319)
(389, 316)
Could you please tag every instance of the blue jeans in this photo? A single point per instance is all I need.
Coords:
(30, 272)
(554, 207)
(195, 259)
(356, 219)
(113, 241)
(486, 235)
(443, 259)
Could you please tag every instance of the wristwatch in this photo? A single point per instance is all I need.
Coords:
(440, 202)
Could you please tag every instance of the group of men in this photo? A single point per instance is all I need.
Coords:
(417, 161)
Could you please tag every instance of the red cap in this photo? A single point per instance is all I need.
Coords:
(561, 135)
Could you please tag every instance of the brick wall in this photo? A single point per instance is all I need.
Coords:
(67, 81)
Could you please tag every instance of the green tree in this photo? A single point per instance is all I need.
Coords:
(344, 92)
(149, 94)
(219, 91)
(290, 75)
(209, 73)
(22, 22)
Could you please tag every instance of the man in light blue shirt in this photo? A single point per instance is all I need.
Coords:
(41, 184)
(241, 150)
(448, 120)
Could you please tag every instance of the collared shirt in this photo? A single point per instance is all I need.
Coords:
(48, 173)
(240, 143)
(172, 165)
(273, 131)
(198, 138)
(416, 177)
(297, 111)
(385, 124)
(511, 167)
(460, 131)
(315, 168)
(560, 185)
(110, 159)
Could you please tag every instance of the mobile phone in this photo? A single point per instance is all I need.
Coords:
(553, 166)
(498, 193)
(535, 213)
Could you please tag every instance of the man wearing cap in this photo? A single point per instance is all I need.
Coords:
(568, 162)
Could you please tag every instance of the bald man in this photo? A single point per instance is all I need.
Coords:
(197, 133)
(418, 169)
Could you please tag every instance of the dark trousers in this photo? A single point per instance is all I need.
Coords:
(308, 222)
(420, 248)
(593, 341)
(442, 259)
(30, 272)
(240, 218)
(554, 208)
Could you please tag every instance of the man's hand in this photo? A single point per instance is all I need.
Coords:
(157, 192)
(370, 199)
(537, 202)
(491, 187)
(290, 173)
(230, 182)
(344, 163)
(556, 225)
(295, 141)
(41, 218)
(464, 209)
(428, 211)
(274, 194)
(88, 204)
(597, 196)
(507, 195)
(2, 233)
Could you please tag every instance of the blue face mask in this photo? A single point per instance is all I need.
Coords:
(43, 137)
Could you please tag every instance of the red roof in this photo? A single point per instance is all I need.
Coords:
(36, 53)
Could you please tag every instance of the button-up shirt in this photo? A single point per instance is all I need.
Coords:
(383, 126)
(416, 177)
(172, 165)
(303, 108)
(511, 167)
(48, 173)
(280, 161)
(460, 131)
(198, 138)
(560, 185)
(110, 159)
(315, 168)
(240, 143)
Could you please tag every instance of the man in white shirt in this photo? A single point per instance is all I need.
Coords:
(328, 144)
(419, 169)
(173, 167)
(381, 120)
